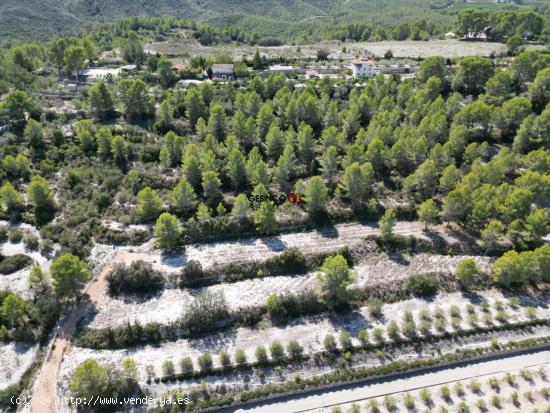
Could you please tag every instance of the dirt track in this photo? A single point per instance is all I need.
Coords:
(44, 389)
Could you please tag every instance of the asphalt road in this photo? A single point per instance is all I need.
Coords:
(407, 382)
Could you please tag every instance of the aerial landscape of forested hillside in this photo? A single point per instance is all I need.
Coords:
(258, 206)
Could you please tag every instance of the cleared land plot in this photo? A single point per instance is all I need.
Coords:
(310, 332)
(408, 48)
(170, 304)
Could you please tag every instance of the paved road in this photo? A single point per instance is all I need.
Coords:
(361, 391)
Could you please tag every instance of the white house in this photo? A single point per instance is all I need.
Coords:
(364, 68)
(223, 72)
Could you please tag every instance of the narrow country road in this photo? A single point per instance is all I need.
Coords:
(311, 401)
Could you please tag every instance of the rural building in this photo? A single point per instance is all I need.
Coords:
(223, 72)
(364, 68)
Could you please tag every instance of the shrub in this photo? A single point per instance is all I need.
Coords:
(467, 272)
(393, 330)
(462, 407)
(294, 350)
(495, 401)
(31, 242)
(261, 354)
(363, 337)
(390, 404)
(225, 360)
(16, 235)
(290, 261)
(240, 357)
(192, 275)
(494, 384)
(409, 403)
(205, 362)
(168, 368)
(409, 329)
(445, 393)
(138, 277)
(426, 397)
(277, 351)
(329, 343)
(14, 263)
(474, 386)
(421, 285)
(425, 327)
(186, 365)
(454, 311)
(375, 307)
(459, 389)
(378, 334)
(205, 312)
(345, 340)
(372, 406)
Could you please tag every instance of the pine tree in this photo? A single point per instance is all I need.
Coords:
(217, 121)
(329, 163)
(148, 205)
(356, 182)
(428, 212)
(386, 224)
(183, 197)
(211, 185)
(236, 168)
(167, 231)
(195, 106)
(241, 208)
(104, 138)
(265, 218)
(316, 195)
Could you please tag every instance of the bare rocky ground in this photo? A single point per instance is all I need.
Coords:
(170, 304)
(15, 359)
(310, 333)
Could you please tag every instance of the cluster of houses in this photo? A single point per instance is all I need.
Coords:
(226, 72)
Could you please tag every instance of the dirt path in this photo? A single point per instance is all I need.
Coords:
(44, 390)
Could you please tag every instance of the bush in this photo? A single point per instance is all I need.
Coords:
(261, 354)
(277, 351)
(345, 341)
(168, 368)
(294, 350)
(225, 360)
(186, 365)
(290, 261)
(31, 242)
(205, 312)
(363, 337)
(329, 343)
(393, 330)
(240, 357)
(421, 285)
(192, 275)
(16, 235)
(138, 277)
(375, 307)
(14, 263)
(205, 362)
